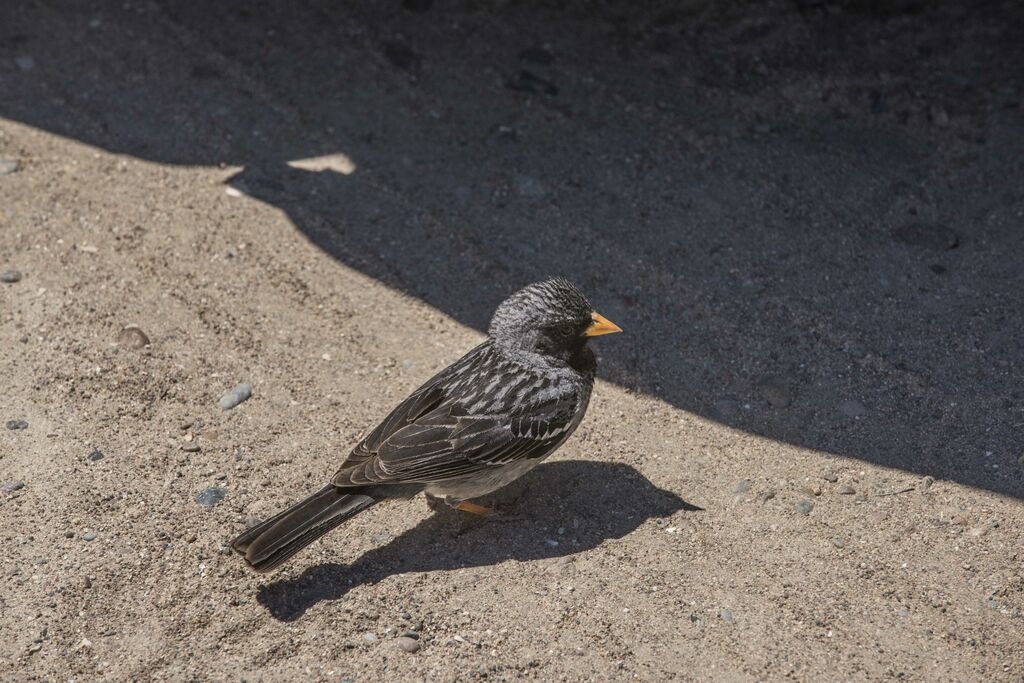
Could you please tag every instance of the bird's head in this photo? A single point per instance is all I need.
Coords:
(552, 318)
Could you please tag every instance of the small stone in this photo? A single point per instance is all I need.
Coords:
(409, 633)
(25, 62)
(852, 408)
(531, 83)
(408, 644)
(726, 615)
(131, 337)
(766, 496)
(12, 486)
(860, 498)
(775, 391)
(8, 166)
(95, 455)
(742, 486)
(86, 643)
(211, 496)
(17, 424)
(237, 395)
(811, 490)
(838, 542)
(89, 536)
(925, 484)
(190, 448)
(369, 638)
(926, 235)
(830, 476)
(846, 490)
(804, 507)
(69, 534)
(87, 582)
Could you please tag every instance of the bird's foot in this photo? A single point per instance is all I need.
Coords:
(488, 514)
(475, 509)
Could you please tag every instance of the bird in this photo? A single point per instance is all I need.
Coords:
(477, 425)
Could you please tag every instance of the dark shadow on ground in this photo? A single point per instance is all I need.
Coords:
(595, 502)
(806, 215)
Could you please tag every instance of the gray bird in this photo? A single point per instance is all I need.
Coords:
(482, 422)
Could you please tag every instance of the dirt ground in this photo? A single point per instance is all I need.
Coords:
(803, 460)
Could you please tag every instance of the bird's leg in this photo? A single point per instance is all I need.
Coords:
(466, 506)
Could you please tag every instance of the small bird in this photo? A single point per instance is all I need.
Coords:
(479, 424)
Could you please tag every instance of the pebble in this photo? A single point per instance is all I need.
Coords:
(846, 490)
(95, 455)
(17, 424)
(409, 633)
(211, 496)
(742, 486)
(90, 536)
(8, 166)
(726, 615)
(69, 534)
(766, 496)
(408, 644)
(231, 399)
(925, 484)
(369, 638)
(804, 507)
(532, 83)
(926, 235)
(775, 391)
(838, 542)
(852, 408)
(12, 486)
(131, 337)
(830, 476)
(190, 448)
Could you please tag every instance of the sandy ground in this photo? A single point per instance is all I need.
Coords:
(804, 459)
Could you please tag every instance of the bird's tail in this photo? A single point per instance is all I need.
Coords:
(271, 542)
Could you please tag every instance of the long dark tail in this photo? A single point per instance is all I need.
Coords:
(271, 542)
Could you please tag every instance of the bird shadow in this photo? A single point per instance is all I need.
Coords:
(589, 502)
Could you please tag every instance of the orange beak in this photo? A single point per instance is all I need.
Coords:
(601, 325)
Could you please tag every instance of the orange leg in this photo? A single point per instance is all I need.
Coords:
(466, 506)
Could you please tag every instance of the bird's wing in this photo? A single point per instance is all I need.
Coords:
(449, 441)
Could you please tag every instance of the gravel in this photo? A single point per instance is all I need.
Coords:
(95, 455)
(8, 166)
(804, 507)
(211, 496)
(846, 490)
(852, 408)
(17, 424)
(408, 644)
(830, 476)
(12, 486)
(776, 392)
(131, 337)
(240, 393)
(10, 276)
(89, 536)
(742, 486)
